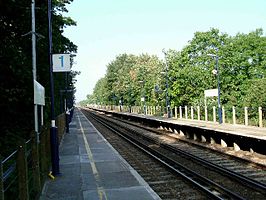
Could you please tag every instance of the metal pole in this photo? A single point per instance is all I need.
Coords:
(33, 40)
(129, 98)
(53, 129)
(219, 93)
(66, 95)
(144, 96)
(61, 102)
(167, 86)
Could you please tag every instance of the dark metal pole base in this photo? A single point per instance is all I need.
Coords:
(54, 151)
(67, 123)
(220, 115)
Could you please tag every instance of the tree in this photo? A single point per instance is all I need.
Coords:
(16, 84)
(241, 68)
(241, 59)
(127, 78)
(191, 68)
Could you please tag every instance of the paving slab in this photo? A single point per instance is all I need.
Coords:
(92, 169)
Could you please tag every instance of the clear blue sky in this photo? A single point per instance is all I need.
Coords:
(107, 28)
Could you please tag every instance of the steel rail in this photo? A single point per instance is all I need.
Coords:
(211, 188)
(253, 184)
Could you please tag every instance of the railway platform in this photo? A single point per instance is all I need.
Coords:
(237, 129)
(239, 137)
(91, 169)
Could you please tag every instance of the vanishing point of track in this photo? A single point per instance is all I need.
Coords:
(175, 173)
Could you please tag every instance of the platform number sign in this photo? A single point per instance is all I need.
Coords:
(61, 62)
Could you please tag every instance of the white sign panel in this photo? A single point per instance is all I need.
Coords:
(61, 63)
(142, 99)
(211, 93)
(39, 94)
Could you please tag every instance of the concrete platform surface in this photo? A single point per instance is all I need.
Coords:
(91, 169)
(237, 129)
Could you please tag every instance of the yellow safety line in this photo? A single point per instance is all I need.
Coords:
(100, 190)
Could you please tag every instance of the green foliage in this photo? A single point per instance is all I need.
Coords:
(241, 68)
(241, 59)
(257, 92)
(129, 78)
(16, 84)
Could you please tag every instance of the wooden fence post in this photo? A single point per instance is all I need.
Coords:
(2, 193)
(198, 108)
(223, 115)
(260, 117)
(186, 112)
(35, 163)
(22, 168)
(214, 113)
(206, 113)
(180, 112)
(234, 115)
(192, 112)
(45, 153)
(175, 112)
(42, 155)
(246, 116)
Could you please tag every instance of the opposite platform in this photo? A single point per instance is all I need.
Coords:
(237, 129)
(92, 169)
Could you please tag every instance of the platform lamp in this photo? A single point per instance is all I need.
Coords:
(53, 129)
(216, 72)
(167, 86)
(143, 96)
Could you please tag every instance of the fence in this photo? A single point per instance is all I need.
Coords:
(233, 115)
(148, 110)
(24, 172)
(245, 116)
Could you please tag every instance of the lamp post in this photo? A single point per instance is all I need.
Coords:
(129, 96)
(143, 96)
(120, 104)
(216, 72)
(53, 129)
(167, 86)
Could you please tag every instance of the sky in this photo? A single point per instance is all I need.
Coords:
(107, 28)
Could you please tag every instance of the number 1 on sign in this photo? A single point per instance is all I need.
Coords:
(62, 61)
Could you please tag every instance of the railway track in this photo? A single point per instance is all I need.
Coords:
(251, 170)
(177, 172)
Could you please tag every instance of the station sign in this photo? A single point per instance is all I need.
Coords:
(39, 94)
(211, 93)
(61, 63)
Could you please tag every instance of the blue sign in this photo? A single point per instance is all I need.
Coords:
(61, 63)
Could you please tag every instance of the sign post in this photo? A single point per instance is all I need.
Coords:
(61, 63)
(53, 129)
(39, 99)
(209, 93)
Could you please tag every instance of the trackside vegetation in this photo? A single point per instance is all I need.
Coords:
(16, 77)
(242, 70)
